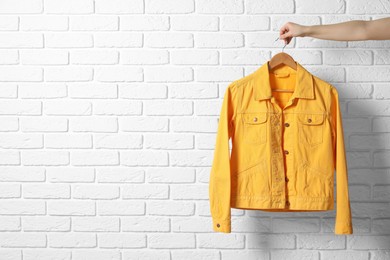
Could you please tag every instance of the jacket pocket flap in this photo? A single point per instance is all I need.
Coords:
(254, 118)
(311, 119)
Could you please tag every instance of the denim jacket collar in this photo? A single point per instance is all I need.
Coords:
(304, 83)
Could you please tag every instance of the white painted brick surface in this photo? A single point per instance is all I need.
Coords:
(108, 116)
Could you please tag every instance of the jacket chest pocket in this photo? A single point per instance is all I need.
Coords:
(310, 128)
(255, 127)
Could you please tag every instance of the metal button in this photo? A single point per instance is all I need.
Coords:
(255, 119)
(218, 225)
(285, 151)
(309, 120)
(287, 203)
(286, 179)
(286, 124)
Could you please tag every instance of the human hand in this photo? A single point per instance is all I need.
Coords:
(290, 30)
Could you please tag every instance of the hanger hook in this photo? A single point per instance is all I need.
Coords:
(284, 44)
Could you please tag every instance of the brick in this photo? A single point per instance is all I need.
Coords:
(168, 39)
(118, 74)
(168, 74)
(22, 207)
(44, 23)
(168, 107)
(317, 6)
(9, 158)
(68, 141)
(273, 241)
(92, 90)
(144, 57)
(21, 141)
(11, 223)
(93, 57)
(100, 191)
(368, 74)
(171, 175)
(194, 90)
(10, 191)
(41, 90)
(267, 7)
(69, 7)
(220, 40)
(348, 57)
(67, 107)
(118, 39)
(372, 7)
(22, 174)
(46, 191)
(119, 175)
(321, 241)
(295, 225)
(47, 224)
(144, 124)
(170, 142)
(145, 224)
(122, 240)
(198, 57)
(120, 208)
(220, 241)
(21, 6)
(218, 7)
(244, 23)
(72, 208)
(191, 158)
(138, 91)
(74, 73)
(158, 241)
(96, 224)
(94, 124)
(169, 6)
(145, 158)
(170, 208)
(370, 242)
(117, 141)
(119, 6)
(22, 73)
(94, 23)
(25, 239)
(72, 240)
(68, 40)
(194, 23)
(70, 174)
(118, 107)
(145, 191)
(144, 23)
(45, 158)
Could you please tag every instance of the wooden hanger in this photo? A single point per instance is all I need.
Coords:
(282, 58)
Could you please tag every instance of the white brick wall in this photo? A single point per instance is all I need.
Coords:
(108, 115)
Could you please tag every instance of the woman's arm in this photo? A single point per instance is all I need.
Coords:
(346, 31)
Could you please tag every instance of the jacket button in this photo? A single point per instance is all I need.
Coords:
(287, 179)
(285, 151)
(309, 120)
(255, 119)
(287, 203)
(218, 225)
(286, 124)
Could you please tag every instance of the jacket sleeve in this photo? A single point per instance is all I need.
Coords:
(219, 183)
(343, 222)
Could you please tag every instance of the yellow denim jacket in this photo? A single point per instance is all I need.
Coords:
(285, 147)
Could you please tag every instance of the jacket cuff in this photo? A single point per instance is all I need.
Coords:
(343, 229)
(223, 226)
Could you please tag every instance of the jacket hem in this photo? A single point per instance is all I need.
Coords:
(272, 203)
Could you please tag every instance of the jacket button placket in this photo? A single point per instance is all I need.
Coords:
(277, 169)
